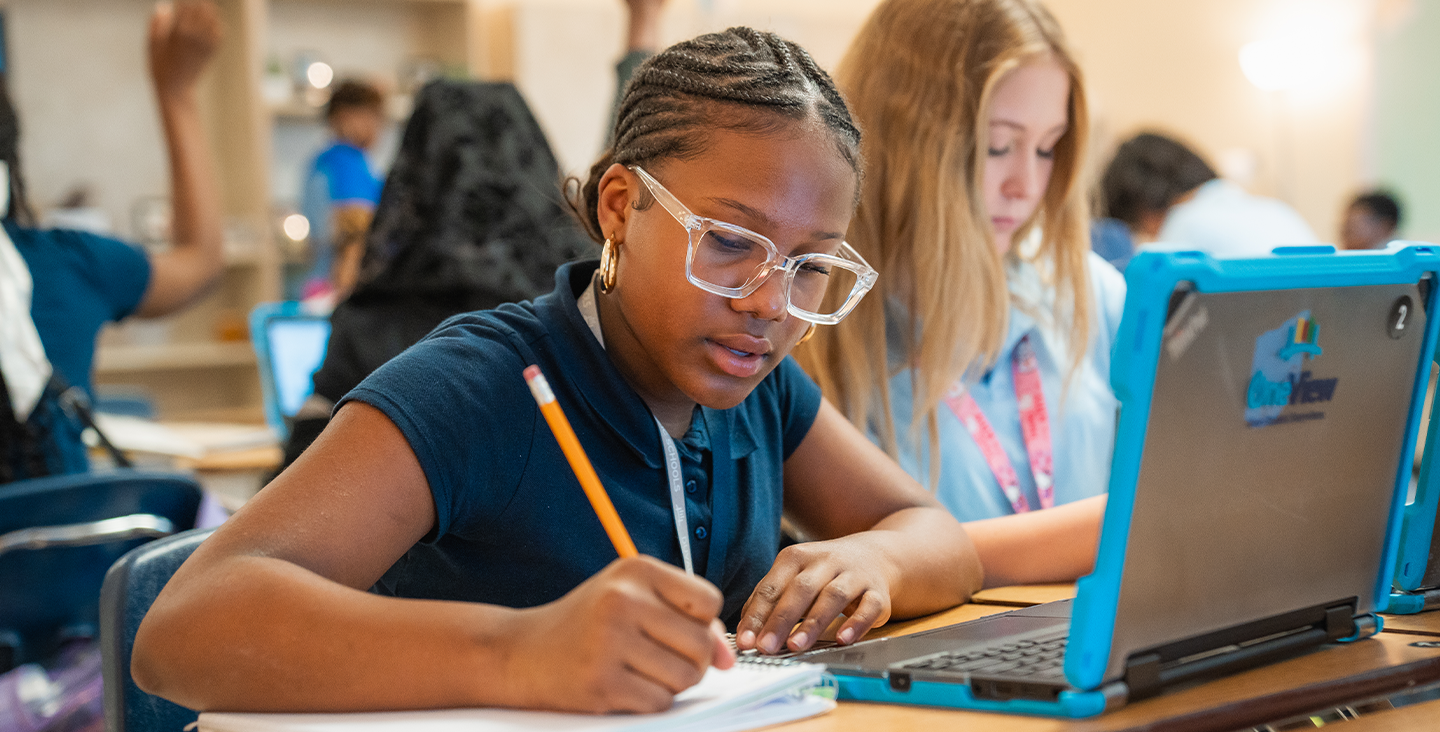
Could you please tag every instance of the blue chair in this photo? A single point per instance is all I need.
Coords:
(131, 587)
(58, 536)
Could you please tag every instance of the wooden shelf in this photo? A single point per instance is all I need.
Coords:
(397, 110)
(174, 357)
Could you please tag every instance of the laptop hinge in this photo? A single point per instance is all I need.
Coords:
(1142, 675)
(1425, 598)
(1432, 599)
(1339, 622)
(1149, 670)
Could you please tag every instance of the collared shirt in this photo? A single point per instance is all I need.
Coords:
(513, 526)
(1224, 219)
(1082, 425)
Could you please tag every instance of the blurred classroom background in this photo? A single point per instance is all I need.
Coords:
(1307, 101)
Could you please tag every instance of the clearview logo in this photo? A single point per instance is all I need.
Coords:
(1280, 379)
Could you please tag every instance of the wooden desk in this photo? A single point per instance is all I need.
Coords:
(1324, 678)
(1404, 719)
(237, 475)
(1024, 595)
(1427, 623)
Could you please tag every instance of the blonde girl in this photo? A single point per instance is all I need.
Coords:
(997, 319)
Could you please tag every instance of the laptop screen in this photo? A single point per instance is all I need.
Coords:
(297, 346)
(1277, 425)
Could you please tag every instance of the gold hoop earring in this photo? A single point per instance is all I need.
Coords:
(808, 332)
(607, 267)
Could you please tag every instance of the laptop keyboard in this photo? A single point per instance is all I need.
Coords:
(1037, 657)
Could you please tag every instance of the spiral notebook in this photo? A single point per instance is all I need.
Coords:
(750, 695)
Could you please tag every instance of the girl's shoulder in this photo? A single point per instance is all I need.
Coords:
(1107, 290)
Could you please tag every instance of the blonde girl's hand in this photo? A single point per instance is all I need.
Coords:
(183, 38)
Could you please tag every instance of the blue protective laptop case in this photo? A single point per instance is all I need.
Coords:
(1417, 536)
(287, 363)
(1151, 278)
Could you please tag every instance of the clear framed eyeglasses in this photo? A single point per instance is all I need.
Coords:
(734, 262)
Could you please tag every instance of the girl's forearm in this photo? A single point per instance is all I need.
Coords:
(1054, 545)
(262, 634)
(938, 566)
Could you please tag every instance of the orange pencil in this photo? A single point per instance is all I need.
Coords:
(579, 462)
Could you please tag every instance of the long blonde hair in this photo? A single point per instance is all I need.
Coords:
(919, 78)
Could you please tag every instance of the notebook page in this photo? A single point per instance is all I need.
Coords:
(720, 701)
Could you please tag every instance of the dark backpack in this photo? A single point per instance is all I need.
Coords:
(48, 442)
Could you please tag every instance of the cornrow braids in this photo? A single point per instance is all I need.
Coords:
(761, 81)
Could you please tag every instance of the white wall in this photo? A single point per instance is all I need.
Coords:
(1174, 66)
(1157, 64)
(565, 54)
(87, 113)
(78, 78)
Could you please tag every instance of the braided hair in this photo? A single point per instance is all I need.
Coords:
(19, 209)
(741, 79)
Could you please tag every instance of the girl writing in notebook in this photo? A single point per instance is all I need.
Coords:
(722, 204)
(973, 210)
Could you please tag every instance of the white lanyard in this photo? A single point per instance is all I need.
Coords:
(677, 495)
(590, 312)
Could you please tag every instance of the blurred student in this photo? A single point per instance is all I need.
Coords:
(1165, 192)
(59, 287)
(1371, 221)
(1112, 240)
(470, 217)
(991, 315)
(341, 189)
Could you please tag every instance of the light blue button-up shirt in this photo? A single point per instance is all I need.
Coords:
(1082, 428)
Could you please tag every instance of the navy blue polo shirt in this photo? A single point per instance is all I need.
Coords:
(513, 526)
(82, 281)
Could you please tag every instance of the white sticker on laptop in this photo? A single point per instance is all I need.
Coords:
(1178, 338)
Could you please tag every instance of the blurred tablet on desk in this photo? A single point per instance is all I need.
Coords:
(290, 344)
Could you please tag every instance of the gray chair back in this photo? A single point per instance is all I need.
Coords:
(130, 588)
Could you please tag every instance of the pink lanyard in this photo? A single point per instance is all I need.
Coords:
(1034, 428)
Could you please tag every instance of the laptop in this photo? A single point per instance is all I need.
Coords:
(1268, 414)
(1417, 570)
(290, 344)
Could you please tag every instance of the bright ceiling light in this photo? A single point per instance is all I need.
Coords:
(1300, 62)
(296, 227)
(319, 74)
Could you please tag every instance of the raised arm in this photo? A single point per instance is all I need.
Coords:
(271, 613)
(183, 38)
(887, 546)
(642, 40)
(642, 27)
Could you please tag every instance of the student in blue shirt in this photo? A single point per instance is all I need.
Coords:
(722, 204)
(997, 319)
(341, 190)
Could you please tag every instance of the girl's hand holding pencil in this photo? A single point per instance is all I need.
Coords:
(641, 630)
